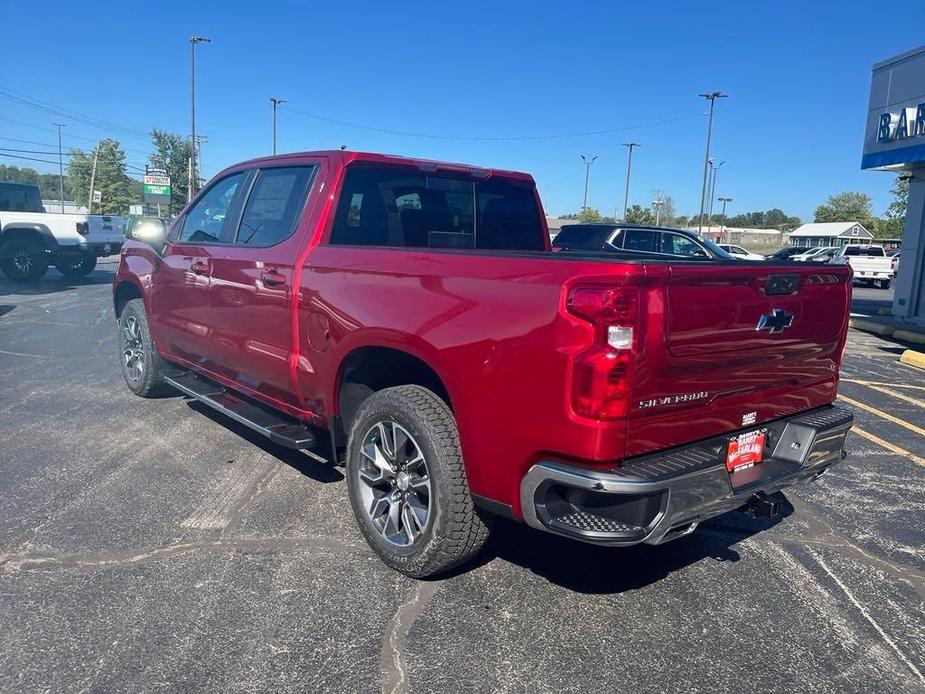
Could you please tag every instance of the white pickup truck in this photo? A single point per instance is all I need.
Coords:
(31, 239)
(871, 264)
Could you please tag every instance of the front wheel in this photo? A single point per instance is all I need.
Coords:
(141, 366)
(75, 268)
(407, 483)
(23, 260)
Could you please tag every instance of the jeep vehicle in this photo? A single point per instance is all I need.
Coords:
(412, 316)
(31, 239)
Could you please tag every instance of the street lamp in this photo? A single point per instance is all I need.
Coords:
(712, 96)
(713, 188)
(276, 102)
(657, 204)
(588, 163)
(629, 169)
(722, 228)
(191, 190)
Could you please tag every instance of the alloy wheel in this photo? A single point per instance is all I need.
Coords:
(395, 485)
(133, 349)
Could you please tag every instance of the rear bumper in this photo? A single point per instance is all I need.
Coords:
(660, 497)
(95, 248)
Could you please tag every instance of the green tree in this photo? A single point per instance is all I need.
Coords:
(589, 214)
(891, 226)
(637, 214)
(48, 183)
(172, 152)
(667, 214)
(846, 207)
(111, 179)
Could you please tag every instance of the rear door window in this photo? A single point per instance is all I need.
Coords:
(641, 240)
(399, 206)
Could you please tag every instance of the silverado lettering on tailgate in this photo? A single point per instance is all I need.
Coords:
(673, 399)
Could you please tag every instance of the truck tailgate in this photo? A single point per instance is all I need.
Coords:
(726, 346)
(105, 229)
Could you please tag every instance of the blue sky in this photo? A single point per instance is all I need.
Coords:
(797, 75)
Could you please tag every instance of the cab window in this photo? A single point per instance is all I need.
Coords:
(209, 221)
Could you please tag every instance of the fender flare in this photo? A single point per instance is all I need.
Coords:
(44, 233)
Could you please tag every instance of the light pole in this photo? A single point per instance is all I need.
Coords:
(60, 167)
(712, 96)
(629, 169)
(722, 229)
(588, 163)
(276, 102)
(191, 190)
(713, 188)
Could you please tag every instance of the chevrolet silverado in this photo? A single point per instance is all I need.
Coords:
(413, 315)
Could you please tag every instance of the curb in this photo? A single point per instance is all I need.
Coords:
(871, 326)
(912, 358)
(910, 336)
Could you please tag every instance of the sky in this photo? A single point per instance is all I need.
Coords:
(527, 86)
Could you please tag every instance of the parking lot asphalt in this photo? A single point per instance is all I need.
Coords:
(150, 545)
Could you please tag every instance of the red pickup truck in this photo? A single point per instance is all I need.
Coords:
(413, 315)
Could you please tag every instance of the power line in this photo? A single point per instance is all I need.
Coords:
(15, 156)
(66, 137)
(32, 102)
(522, 138)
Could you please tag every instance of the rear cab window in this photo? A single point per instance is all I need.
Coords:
(383, 205)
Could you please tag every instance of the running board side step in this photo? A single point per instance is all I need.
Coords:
(277, 427)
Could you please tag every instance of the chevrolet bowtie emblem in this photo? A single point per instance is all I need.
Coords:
(775, 322)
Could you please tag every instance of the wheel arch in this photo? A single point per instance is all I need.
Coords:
(29, 230)
(125, 291)
(380, 366)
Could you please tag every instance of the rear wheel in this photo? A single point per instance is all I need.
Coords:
(884, 284)
(141, 366)
(75, 268)
(407, 483)
(23, 260)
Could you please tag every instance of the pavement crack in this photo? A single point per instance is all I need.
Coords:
(393, 661)
(104, 559)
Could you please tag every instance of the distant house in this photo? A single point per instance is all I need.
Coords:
(830, 234)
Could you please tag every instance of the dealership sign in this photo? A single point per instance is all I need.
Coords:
(909, 122)
(894, 133)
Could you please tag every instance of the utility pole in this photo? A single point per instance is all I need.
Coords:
(657, 204)
(588, 163)
(722, 229)
(96, 154)
(629, 170)
(60, 167)
(713, 188)
(276, 102)
(712, 96)
(191, 189)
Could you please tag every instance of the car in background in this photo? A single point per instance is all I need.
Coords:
(635, 238)
(808, 255)
(893, 253)
(739, 252)
(787, 253)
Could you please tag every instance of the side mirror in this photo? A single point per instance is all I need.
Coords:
(150, 232)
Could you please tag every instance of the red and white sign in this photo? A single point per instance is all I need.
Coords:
(745, 451)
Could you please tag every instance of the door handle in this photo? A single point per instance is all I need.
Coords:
(272, 278)
(199, 268)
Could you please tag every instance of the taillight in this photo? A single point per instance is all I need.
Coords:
(602, 374)
(83, 228)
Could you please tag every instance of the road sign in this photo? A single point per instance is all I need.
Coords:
(97, 196)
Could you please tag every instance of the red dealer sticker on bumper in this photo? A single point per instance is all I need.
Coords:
(745, 450)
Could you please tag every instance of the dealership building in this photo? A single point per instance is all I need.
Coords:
(894, 140)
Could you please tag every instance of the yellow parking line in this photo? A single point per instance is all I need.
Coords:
(892, 394)
(890, 418)
(889, 446)
(878, 383)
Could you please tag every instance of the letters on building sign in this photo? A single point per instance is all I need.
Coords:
(909, 122)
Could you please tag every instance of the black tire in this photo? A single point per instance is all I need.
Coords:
(453, 531)
(75, 268)
(143, 368)
(884, 284)
(23, 260)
